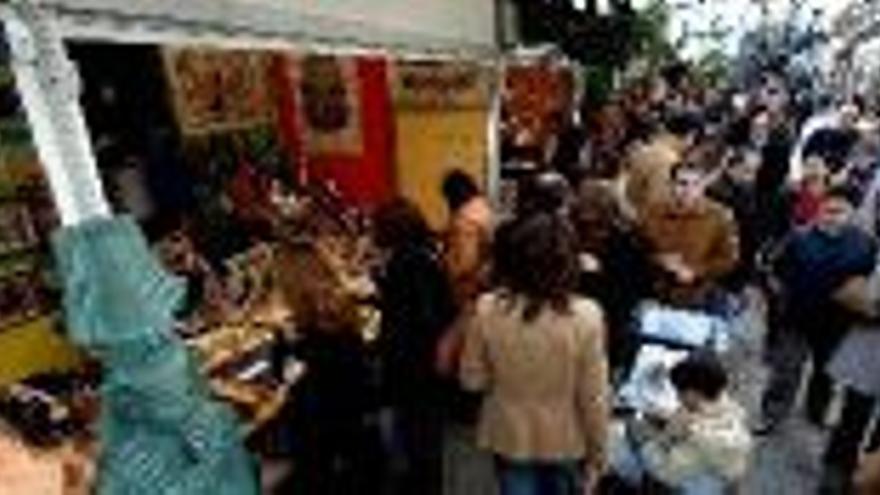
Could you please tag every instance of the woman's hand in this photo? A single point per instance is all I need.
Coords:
(592, 477)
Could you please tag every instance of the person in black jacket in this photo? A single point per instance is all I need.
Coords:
(614, 268)
(736, 189)
(417, 308)
(336, 450)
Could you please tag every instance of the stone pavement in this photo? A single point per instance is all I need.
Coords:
(787, 462)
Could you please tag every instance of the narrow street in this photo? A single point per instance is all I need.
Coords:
(787, 462)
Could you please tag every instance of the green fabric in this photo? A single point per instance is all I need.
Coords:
(161, 433)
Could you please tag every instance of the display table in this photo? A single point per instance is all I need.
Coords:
(237, 359)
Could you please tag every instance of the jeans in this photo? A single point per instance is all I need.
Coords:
(788, 356)
(540, 478)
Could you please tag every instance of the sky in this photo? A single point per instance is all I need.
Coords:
(737, 17)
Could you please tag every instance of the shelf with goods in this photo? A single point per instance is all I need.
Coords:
(231, 191)
(30, 340)
(246, 351)
(26, 287)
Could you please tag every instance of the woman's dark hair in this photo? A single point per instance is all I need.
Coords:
(684, 124)
(701, 372)
(536, 259)
(595, 216)
(400, 223)
(459, 188)
(546, 192)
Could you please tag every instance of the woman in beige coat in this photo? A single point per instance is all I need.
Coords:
(536, 351)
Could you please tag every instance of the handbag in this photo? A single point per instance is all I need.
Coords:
(854, 295)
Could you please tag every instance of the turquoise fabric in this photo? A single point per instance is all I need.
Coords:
(161, 432)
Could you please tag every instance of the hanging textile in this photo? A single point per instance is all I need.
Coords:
(330, 92)
(356, 157)
(161, 432)
(535, 96)
(219, 90)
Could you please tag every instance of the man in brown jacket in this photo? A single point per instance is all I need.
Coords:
(650, 164)
(693, 240)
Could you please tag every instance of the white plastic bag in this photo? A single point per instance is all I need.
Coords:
(648, 389)
(691, 329)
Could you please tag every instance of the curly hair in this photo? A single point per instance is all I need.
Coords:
(536, 260)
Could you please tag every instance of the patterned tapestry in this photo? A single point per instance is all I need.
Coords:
(329, 90)
(219, 90)
(533, 94)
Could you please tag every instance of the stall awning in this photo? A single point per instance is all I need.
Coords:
(450, 27)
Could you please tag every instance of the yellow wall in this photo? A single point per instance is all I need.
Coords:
(429, 143)
(33, 348)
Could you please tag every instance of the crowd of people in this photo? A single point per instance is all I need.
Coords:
(510, 332)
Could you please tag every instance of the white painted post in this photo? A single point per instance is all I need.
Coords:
(50, 87)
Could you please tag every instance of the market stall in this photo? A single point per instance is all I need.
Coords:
(246, 124)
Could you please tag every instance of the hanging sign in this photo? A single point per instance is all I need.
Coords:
(432, 85)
